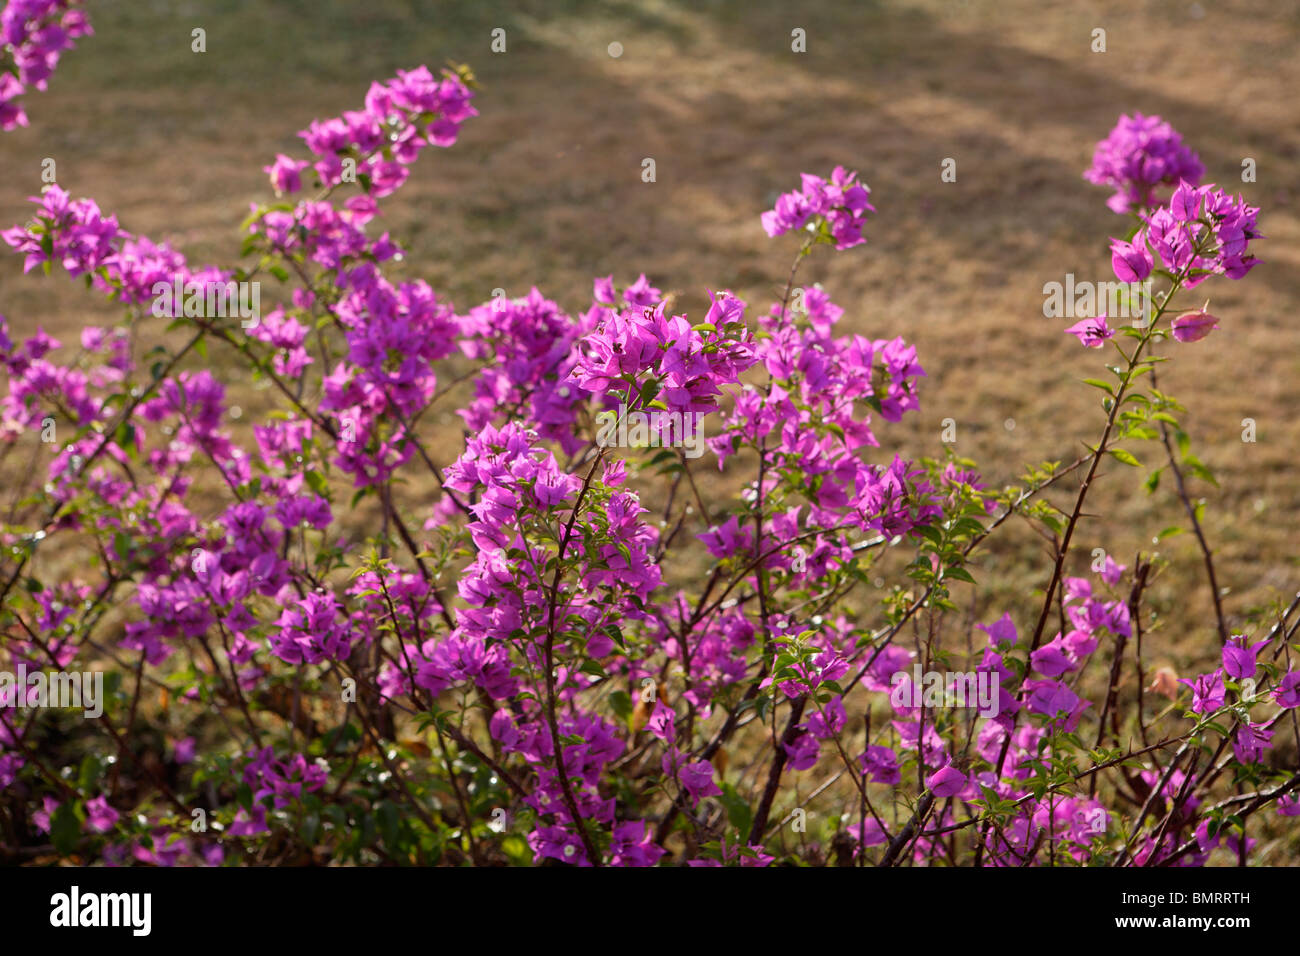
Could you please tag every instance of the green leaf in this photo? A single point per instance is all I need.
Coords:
(65, 828)
(389, 823)
(122, 545)
(961, 574)
(738, 811)
(1119, 454)
(616, 635)
(1197, 467)
(931, 532)
(90, 771)
(592, 667)
(663, 456)
(621, 704)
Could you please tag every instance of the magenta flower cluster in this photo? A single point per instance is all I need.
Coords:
(1200, 232)
(839, 206)
(378, 144)
(1141, 154)
(393, 641)
(35, 34)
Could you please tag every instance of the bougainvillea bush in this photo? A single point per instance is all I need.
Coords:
(580, 650)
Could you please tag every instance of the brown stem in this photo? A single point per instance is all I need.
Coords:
(779, 758)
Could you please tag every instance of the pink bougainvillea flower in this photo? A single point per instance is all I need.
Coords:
(1239, 657)
(843, 203)
(880, 765)
(100, 817)
(1132, 261)
(1208, 692)
(661, 722)
(1055, 700)
(1112, 571)
(1093, 333)
(286, 173)
(1002, 632)
(1185, 204)
(1251, 742)
(1194, 326)
(1053, 659)
(1287, 694)
(802, 751)
(633, 845)
(1140, 154)
(948, 782)
(34, 34)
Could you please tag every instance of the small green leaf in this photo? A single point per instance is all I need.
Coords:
(122, 545)
(738, 811)
(621, 704)
(1119, 454)
(65, 828)
(961, 574)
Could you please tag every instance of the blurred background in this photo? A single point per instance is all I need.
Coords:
(545, 189)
